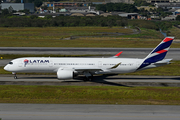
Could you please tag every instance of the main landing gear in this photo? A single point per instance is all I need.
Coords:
(15, 77)
(88, 76)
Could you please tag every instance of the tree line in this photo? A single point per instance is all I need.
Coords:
(9, 20)
(118, 7)
(62, 21)
(73, 21)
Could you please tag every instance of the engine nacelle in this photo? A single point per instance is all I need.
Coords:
(65, 74)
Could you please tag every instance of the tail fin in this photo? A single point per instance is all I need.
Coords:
(158, 53)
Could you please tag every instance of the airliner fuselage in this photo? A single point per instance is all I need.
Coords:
(47, 64)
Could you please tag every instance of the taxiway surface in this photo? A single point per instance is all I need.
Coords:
(127, 52)
(88, 112)
(103, 80)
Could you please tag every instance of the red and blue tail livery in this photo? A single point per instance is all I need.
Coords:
(158, 53)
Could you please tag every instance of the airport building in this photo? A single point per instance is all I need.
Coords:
(18, 6)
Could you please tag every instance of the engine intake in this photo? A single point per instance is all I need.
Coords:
(65, 74)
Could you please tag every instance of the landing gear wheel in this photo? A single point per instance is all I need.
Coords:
(85, 79)
(15, 77)
(90, 78)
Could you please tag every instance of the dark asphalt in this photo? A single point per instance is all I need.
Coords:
(101, 80)
(88, 112)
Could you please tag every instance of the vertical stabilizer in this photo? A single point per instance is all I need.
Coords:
(158, 53)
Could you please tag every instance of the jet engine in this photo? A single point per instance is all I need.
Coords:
(65, 74)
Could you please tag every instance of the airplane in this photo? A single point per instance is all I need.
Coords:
(70, 67)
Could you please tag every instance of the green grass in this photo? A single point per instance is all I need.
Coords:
(54, 37)
(147, 34)
(167, 70)
(174, 31)
(50, 36)
(90, 95)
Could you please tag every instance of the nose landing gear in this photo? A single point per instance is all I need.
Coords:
(15, 77)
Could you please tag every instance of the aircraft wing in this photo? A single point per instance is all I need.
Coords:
(94, 69)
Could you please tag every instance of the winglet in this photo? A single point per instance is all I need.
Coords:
(117, 55)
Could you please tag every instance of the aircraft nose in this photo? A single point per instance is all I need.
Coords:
(6, 68)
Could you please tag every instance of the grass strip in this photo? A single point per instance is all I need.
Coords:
(90, 95)
(174, 31)
(146, 33)
(109, 42)
(167, 70)
(84, 37)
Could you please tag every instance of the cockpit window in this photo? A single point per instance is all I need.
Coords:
(11, 63)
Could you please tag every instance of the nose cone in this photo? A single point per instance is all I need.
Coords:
(6, 68)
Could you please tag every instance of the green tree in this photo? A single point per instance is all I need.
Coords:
(123, 7)
(38, 3)
(101, 7)
(178, 18)
(33, 16)
(10, 9)
(110, 7)
(141, 3)
(48, 17)
(144, 12)
(5, 12)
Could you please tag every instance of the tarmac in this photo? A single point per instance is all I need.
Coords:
(88, 112)
(101, 80)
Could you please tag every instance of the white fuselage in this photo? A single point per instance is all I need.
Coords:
(47, 64)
